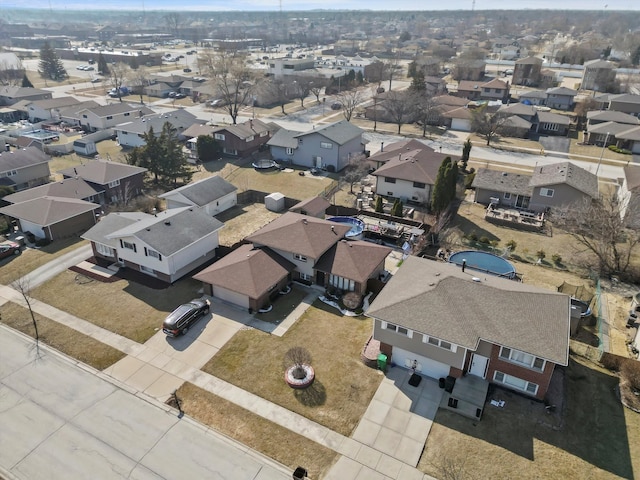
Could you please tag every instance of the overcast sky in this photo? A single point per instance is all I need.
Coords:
(259, 5)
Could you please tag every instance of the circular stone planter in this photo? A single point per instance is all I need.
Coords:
(293, 382)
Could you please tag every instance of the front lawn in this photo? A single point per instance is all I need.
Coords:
(253, 361)
(595, 439)
(123, 307)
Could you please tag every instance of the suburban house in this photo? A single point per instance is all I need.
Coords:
(626, 103)
(533, 120)
(329, 147)
(442, 321)
(493, 89)
(115, 182)
(108, 116)
(604, 126)
(550, 186)
(560, 98)
(167, 245)
(598, 75)
(131, 134)
(629, 196)
(24, 168)
(53, 217)
(533, 97)
(293, 247)
(10, 94)
(472, 70)
(41, 110)
(550, 123)
(242, 139)
(68, 188)
(629, 139)
(213, 195)
(408, 171)
(312, 207)
(527, 71)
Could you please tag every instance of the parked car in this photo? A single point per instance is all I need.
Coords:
(180, 95)
(179, 321)
(96, 80)
(172, 94)
(186, 70)
(336, 106)
(8, 249)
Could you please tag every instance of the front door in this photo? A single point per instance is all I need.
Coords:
(317, 162)
(479, 365)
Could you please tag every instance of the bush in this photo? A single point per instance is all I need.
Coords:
(512, 244)
(623, 151)
(541, 254)
(468, 179)
(612, 362)
(557, 259)
(473, 236)
(484, 239)
(630, 371)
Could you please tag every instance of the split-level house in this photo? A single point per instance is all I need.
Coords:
(167, 245)
(23, 168)
(439, 320)
(108, 116)
(213, 194)
(293, 247)
(131, 134)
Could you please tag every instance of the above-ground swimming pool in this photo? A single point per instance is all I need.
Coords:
(357, 226)
(484, 262)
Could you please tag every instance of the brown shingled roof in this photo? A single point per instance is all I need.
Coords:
(353, 259)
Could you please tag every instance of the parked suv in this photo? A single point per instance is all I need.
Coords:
(179, 321)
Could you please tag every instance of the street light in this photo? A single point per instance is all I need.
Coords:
(604, 145)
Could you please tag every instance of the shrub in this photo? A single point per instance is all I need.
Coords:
(512, 244)
(623, 151)
(468, 179)
(612, 362)
(541, 254)
(484, 239)
(631, 372)
(557, 259)
(473, 236)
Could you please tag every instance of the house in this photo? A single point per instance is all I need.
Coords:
(41, 110)
(10, 94)
(598, 75)
(560, 98)
(629, 139)
(108, 116)
(626, 103)
(629, 196)
(281, 67)
(75, 188)
(604, 126)
(408, 171)
(312, 245)
(242, 139)
(457, 118)
(131, 134)
(472, 70)
(442, 321)
(481, 90)
(53, 217)
(550, 123)
(71, 115)
(24, 168)
(549, 187)
(312, 207)
(167, 245)
(527, 71)
(533, 97)
(117, 182)
(329, 147)
(213, 195)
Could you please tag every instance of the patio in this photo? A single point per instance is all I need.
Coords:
(514, 217)
(467, 397)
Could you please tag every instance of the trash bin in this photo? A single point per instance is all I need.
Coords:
(300, 474)
(382, 362)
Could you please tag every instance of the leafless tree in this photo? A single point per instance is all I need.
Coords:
(376, 73)
(297, 357)
(174, 22)
(427, 111)
(11, 74)
(606, 227)
(316, 87)
(139, 79)
(400, 108)
(357, 168)
(486, 124)
(118, 76)
(391, 66)
(302, 88)
(349, 99)
(22, 286)
(276, 92)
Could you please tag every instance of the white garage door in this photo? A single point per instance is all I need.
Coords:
(424, 365)
(231, 297)
(461, 124)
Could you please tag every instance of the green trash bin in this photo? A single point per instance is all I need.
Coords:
(382, 362)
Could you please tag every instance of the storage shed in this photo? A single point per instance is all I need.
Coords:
(274, 202)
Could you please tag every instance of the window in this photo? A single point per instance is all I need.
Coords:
(115, 183)
(250, 139)
(551, 127)
(218, 136)
(147, 270)
(436, 342)
(304, 276)
(390, 194)
(152, 253)
(546, 192)
(521, 358)
(342, 283)
(299, 257)
(326, 145)
(12, 173)
(128, 245)
(515, 382)
(104, 250)
(289, 151)
(398, 329)
(389, 180)
(84, 115)
(419, 185)
(507, 196)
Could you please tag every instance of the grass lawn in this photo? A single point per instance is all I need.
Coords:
(243, 220)
(594, 442)
(126, 308)
(255, 432)
(62, 338)
(32, 258)
(253, 360)
(594, 151)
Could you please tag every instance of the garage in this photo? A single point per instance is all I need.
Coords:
(231, 297)
(424, 365)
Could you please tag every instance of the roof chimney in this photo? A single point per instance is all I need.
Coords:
(382, 146)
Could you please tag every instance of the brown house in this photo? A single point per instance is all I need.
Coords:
(242, 139)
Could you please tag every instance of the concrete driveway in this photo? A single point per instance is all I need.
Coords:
(159, 366)
(555, 144)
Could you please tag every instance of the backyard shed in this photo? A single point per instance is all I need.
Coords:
(274, 202)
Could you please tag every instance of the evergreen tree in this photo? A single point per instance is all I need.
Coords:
(102, 65)
(173, 164)
(441, 195)
(208, 148)
(379, 207)
(26, 82)
(359, 78)
(50, 65)
(452, 180)
(412, 69)
(466, 151)
(418, 83)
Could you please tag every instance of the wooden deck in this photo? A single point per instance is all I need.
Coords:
(512, 217)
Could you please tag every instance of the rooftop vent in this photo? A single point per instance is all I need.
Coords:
(167, 222)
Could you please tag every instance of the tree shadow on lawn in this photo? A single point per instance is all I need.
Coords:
(467, 227)
(594, 427)
(312, 396)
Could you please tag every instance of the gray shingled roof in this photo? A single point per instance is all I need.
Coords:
(612, 116)
(284, 138)
(550, 117)
(21, 158)
(117, 108)
(631, 134)
(180, 119)
(112, 223)
(102, 171)
(436, 298)
(340, 132)
(567, 173)
(45, 211)
(57, 102)
(570, 92)
(202, 192)
(516, 183)
(68, 188)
